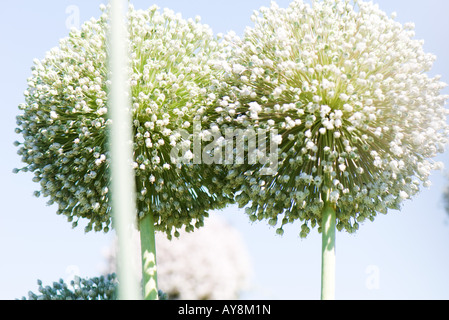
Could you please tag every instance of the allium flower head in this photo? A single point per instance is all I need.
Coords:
(347, 89)
(64, 121)
(96, 288)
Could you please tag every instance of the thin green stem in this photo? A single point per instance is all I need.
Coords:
(148, 251)
(328, 252)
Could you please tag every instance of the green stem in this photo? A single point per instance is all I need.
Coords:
(122, 174)
(148, 251)
(328, 252)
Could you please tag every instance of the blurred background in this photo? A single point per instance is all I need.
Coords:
(402, 255)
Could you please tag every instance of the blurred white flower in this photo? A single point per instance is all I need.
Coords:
(211, 263)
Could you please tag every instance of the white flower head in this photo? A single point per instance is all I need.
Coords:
(354, 83)
(65, 124)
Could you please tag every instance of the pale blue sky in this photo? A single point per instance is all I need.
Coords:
(407, 251)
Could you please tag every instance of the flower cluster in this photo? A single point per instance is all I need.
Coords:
(97, 288)
(208, 264)
(346, 87)
(65, 123)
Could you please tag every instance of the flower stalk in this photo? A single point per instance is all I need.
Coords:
(148, 250)
(120, 135)
(328, 252)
